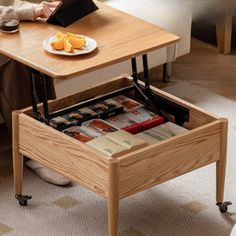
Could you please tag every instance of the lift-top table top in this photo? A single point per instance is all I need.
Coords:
(119, 37)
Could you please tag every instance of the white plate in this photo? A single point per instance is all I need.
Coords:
(90, 45)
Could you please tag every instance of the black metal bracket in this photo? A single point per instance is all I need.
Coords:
(134, 70)
(146, 74)
(158, 103)
(44, 97)
(36, 112)
(36, 75)
(180, 113)
(91, 101)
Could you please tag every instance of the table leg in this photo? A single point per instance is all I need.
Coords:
(113, 199)
(17, 157)
(18, 162)
(224, 32)
(221, 164)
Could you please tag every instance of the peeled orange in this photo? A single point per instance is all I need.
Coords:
(68, 34)
(76, 42)
(67, 46)
(58, 44)
(59, 35)
(68, 41)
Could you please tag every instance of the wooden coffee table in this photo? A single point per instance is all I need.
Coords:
(120, 37)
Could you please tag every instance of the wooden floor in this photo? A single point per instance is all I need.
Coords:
(204, 66)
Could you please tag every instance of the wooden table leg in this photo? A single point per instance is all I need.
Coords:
(113, 199)
(224, 32)
(17, 157)
(221, 164)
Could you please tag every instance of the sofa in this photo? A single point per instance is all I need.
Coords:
(173, 15)
(216, 18)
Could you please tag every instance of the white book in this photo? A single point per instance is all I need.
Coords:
(161, 132)
(107, 146)
(140, 115)
(126, 139)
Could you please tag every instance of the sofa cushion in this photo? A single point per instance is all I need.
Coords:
(173, 15)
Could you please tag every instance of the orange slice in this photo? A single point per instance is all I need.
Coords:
(58, 44)
(59, 35)
(69, 35)
(67, 46)
(77, 42)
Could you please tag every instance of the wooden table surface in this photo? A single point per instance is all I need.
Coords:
(119, 37)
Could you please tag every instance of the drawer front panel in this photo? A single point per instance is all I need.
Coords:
(62, 153)
(169, 159)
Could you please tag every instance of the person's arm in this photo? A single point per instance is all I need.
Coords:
(27, 11)
(22, 11)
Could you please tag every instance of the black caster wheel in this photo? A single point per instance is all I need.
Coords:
(223, 207)
(23, 199)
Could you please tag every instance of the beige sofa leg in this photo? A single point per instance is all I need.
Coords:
(166, 72)
(224, 31)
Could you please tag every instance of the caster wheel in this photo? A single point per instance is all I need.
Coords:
(223, 207)
(23, 199)
(23, 202)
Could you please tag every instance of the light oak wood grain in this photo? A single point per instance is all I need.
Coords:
(63, 154)
(119, 37)
(17, 156)
(170, 158)
(113, 197)
(221, 164)
(117, 178)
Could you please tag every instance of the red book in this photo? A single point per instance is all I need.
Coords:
(123, 122)
(158, 120)
(145, 118)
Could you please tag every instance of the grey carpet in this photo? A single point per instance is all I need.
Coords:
(181, 207)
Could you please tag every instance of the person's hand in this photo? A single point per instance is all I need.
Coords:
(45, 9)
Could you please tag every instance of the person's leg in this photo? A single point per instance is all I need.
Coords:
(15, 94)
(14, 87)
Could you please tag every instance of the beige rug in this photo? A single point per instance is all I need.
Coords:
(181, 207)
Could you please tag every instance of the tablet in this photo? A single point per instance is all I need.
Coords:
(69, 11)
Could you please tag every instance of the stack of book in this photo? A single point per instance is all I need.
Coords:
(101, 110)
(107, 108)
(161, 132)
(91, 129)
(128, 103)
(136, 121)
(116, 126)
(117, 143)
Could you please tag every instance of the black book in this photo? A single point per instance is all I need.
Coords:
(69, 11)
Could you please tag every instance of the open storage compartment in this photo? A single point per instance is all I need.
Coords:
(122, 176)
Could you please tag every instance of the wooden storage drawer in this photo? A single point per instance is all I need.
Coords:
(116, 178)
